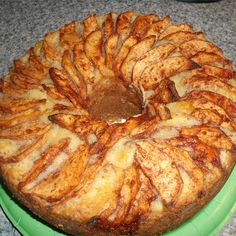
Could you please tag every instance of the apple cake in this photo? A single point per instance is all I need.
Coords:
(119, 124)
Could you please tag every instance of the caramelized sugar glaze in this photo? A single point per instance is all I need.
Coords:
(119, 124)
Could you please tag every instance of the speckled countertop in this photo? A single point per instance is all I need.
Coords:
(23, 22)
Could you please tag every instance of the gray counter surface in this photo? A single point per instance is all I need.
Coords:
(24, 22)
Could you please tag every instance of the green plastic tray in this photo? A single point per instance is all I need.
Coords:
(208, 222)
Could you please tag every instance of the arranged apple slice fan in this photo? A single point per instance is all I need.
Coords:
(119, 124)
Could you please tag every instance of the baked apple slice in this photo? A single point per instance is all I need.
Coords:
(90, 24)
(136, 52)
(122, 53)
(93, 49)
(66, 87)
(151, 57)
(141, 24)
(175, 28)
(69, 36)
(156, 27)
(154, 74)
(84, 66)
(69, 67)
(192, 47)
(53, 187)
(160, 169)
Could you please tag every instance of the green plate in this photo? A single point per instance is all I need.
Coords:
(208, 222)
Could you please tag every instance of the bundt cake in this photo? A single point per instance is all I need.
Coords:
(120, 124)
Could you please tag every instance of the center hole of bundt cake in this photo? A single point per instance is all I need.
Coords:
(115, 101)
